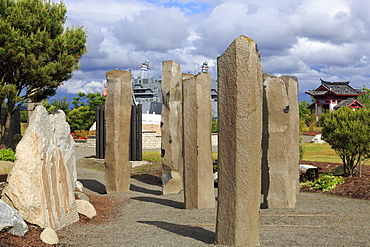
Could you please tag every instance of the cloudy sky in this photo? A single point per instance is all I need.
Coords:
(310, 39)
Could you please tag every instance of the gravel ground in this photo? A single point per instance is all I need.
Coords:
(143, 217)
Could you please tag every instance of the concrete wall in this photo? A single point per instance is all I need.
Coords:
(150, 141)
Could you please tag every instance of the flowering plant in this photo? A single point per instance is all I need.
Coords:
(325, 182)
(75, 136)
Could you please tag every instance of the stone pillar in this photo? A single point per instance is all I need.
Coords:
(281, 140)
(118, 118)
(291, 83)
(197, 119)
(171, 128)
(239, 147)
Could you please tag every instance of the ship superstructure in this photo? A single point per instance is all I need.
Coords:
(147, 91)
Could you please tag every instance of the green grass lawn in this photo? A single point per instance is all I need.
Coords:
(312, 152)
(320, 153)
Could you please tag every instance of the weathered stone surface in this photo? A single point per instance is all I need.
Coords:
(6, 166)
(171, 127)
(10, 221)
(291, 83)
(79, 186)
(239, 148)
(198, 166)
(41, 183)
(86, 208)
(118, 115)
(81, 196)
(281, 142)
(49, 236)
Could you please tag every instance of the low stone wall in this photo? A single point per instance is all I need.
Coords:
(90, 142)
(214, 139)
(150, 141)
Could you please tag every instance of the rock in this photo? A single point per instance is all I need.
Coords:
(317, 139)
(6, 167)
(174, 185)
(79, 186)
(280, 160)
(10, 221)
(118, 115)
(81, 196)
(197, 145)
(215, 178)
(338, 171)
(306, 167)
(86, 208)
(171, 127)
(49, 236)
(240, 100)
(41, 183)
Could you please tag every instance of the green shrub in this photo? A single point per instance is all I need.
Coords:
(214, 126)
(7, 155)
(325, 182)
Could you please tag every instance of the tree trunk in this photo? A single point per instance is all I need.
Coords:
(360, 164)
(5, 125)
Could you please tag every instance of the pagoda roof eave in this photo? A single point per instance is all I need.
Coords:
(315, 93)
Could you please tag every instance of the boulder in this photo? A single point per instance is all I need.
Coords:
(41, 183)
(82, 196)
(215, 178)
(49, 236)
(86, 208)
(317, 139)
(6, 167)
(304, 167)
(10, 221)
(79, 186)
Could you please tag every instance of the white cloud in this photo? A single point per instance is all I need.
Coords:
(310, 39)
(76, 86)
(159, 30)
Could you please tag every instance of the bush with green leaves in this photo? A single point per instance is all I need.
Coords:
(7, 155)
(214, 126)
(348, 133)
(325, 182)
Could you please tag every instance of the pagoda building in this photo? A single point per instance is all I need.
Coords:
(330, 96)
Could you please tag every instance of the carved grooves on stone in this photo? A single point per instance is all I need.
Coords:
(41, 182)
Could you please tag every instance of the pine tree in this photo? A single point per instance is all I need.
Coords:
(37, 53)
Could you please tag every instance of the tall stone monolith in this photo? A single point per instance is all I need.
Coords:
(291, 83)
(198, 166)
(239, 148)
(281, 141)
(41, 184)
(118, 118)
(171, 128)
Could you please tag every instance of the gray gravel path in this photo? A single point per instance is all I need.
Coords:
(147, 218)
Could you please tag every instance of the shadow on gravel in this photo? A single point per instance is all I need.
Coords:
(164, 202)
(93, 185)
(144, 190)
(194, 232)
(148, 179)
